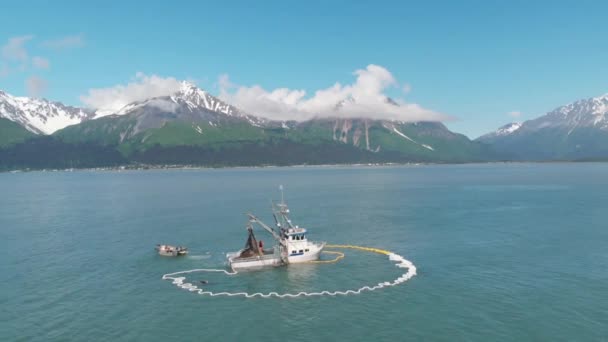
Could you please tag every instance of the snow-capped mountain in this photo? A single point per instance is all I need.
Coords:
(502, 131)
(192, 126)
(189, 96)
(188, 104)
(196, 98)
(588, 113)
(40, 116)
(576, 130)
(509, 128)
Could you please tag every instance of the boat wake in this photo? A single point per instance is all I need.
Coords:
(199, 257)
(179, 280)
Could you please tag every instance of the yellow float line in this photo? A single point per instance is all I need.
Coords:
(340, 255)
(367, 249)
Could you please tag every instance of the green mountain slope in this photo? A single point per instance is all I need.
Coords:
(316, 141)
(12, 133)
(555, 143)
(109, 130)
(193, 127)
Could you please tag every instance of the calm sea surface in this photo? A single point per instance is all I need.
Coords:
(504, 252)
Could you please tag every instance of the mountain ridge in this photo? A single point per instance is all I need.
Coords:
(578, 130)
(40, 116)
(191, 120)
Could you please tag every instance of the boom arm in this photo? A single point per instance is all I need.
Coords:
(253, 218)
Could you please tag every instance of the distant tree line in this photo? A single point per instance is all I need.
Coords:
(52, 153)
(281, 152)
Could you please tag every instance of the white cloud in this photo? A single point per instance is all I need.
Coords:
(166, 106)
(224, 82)
(65, 42)
(111, 99)
(365, 98)
(14, 49)
(40, 62)
(36, 86)
(514, 114)
(15, 53)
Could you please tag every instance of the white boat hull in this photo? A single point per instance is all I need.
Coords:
(253, 262)
(313, 253)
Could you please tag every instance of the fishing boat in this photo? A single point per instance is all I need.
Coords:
(254, 255)
(168, 250)
(291, 244)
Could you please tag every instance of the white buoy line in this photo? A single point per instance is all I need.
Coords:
(179, 280)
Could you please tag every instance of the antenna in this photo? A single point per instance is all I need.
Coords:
(281, 188)
(274, 214)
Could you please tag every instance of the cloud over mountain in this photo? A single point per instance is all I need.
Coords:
(514, 114)
(141, 87)
(365, 97)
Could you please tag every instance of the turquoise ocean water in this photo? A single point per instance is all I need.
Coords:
(504, 252)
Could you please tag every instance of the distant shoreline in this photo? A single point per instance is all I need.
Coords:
(200, 167)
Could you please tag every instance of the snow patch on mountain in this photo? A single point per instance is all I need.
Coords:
(403, 135)
(583, 113)
(197, 98)
(189, 98)
(576, 130)
(428, 147)
(40, 116)
(509, 128)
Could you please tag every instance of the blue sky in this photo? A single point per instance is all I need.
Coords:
(475, 61)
